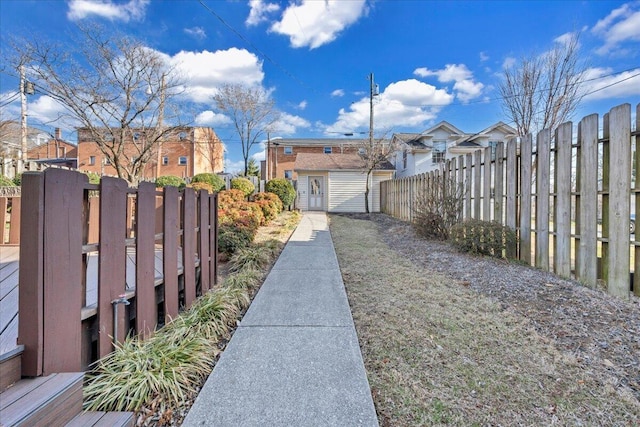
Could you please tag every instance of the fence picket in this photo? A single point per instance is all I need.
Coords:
(512, 186)
(587, 202)
(477, 180)
(498, 204)
(170, 252)
(543, 156)
(146, 311)
(562, 204)
(526, 180)
(636, 202)
(619, 199)
(189, 245)
(486, 188)
(203, 240)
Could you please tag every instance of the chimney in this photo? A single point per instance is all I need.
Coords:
(58, 134)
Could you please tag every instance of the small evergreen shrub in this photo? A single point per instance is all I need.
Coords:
(283, 189)
(170, 180)
(6, 182)
(271, 197)
(201, 186)
(483, 238)
(216, 183)
(94, 178)
(17, 180)
(231, 238)
(244, 185)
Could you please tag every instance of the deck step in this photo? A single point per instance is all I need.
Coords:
(10, 367)
(103, 419)
(53, 400)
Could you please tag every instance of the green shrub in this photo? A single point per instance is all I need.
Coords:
(483, 237)
(170, 180)
(232, 238)
(6, 182)
(17, 180)
(283, 189)
(216, 183)
(201, 186)
(244, 185)
(94, 178)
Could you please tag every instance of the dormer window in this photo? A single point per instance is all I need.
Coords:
(439, 151)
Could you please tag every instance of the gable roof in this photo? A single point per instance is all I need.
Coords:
(332, 162)
(445, 125)
(501, 126)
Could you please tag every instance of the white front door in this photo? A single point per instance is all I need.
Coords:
(316, 193)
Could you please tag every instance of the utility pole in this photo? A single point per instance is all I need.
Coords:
(23, 122)
(160, 120)
(371, 94)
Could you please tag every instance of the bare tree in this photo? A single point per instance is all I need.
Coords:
(375, 153)
(541, 92)
(115, 89)
(252, 111)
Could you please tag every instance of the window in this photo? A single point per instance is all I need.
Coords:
(404, 159)
(439, 151)
(92, 160)
(136, 136)
(288, 149)
(288, 174)
(361, 151)
(165, 160)
(182, 161)
(107, 161)
(327, 150)
(493, 145)
(182, 136)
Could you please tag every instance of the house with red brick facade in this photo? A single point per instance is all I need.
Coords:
(183, 152)
(55, 151)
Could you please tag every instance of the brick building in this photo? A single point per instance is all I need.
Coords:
(184, 152)
(281, 153)
(55, 151)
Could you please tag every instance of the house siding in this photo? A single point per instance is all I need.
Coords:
(346, 191)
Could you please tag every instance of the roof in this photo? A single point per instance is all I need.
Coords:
(414, 140)
(331, 162)
(446, 125)
(321, 141)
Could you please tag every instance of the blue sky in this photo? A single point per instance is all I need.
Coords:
(432, 60)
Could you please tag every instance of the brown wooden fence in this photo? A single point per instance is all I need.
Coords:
(570, 199)
(86, 249)
(9, 215)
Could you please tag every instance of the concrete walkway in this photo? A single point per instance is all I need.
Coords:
(294, 360)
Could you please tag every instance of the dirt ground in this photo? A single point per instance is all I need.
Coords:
(454, 339)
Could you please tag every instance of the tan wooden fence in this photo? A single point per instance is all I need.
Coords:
(87, 249)
(570, 199)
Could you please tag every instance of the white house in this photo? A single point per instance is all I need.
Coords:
(423, 152)
(337, 182)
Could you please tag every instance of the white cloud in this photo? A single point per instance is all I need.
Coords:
(337, 93)
(233, 167)
(132, 10)
(259, 11)
(508, 62)
(196, 32)
(405, 103)
(205, 71)
(484, 57)
(465, 87)
(315, 23)
(302, 105)
(620, 26)
(209, 118)
(622, 85)
(258, 156)
(288, 124)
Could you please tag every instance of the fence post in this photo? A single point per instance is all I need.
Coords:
(146, 309)
(587, 201)
(31, 276)
(112, 262)
(562, 205)
(542, 198)
(203, 250)
(189, 245)
(619, 200)
(62, 270)
(170, 252)
(213, 239)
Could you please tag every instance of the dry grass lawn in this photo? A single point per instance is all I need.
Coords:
(439, 353)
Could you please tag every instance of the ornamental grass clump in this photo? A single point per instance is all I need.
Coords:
(139, 371)
(248, 279)
(254, 257)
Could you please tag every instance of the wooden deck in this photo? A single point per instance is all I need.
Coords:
(9, 266)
